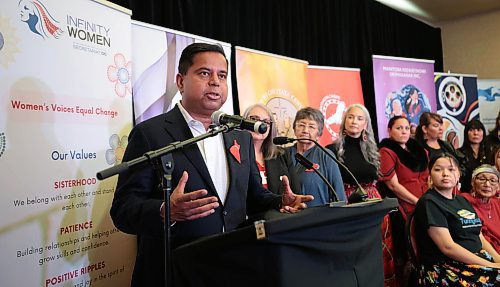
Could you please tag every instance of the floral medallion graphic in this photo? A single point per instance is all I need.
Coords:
(120, 74)
(115, 154)
(8, 43)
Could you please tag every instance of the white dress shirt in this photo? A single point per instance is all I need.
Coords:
(213, 152)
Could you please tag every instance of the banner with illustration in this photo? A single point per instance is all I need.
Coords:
(275, 81)
(457, 103)
(488, 91)
(403, 86)
(332, 90)
(156, 52)
(65, 114)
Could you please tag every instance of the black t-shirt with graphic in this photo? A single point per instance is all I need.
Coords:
(456, 214)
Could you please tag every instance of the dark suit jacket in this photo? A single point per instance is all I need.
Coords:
(137, 201)
(277, 167)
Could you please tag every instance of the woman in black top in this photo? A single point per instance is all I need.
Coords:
(429, 134)
(475, 151)
(357, 150)
(493, 138)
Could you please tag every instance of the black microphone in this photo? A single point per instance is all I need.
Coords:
(309, 165)
(221, 118)
(358, 196)
(282, 140)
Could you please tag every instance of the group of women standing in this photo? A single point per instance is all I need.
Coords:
(424, 173)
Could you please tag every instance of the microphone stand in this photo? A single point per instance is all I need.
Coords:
(360, 194)
(334, 200)
(164, 168)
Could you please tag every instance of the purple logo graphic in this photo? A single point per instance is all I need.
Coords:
(38, 18)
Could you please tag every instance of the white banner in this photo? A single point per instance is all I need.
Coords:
(488, 95)
(65, 113)
(156, 52)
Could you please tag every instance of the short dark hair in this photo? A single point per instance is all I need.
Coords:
(190, 51)
(394, 119)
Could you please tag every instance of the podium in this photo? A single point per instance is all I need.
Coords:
(320, 246)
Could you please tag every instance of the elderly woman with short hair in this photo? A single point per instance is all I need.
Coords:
(309, 124)
(485, 201)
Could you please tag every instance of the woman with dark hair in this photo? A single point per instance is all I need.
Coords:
(493, 138)
(430, 133)
(403, 165)
(273, 162)
(475, 151)
(495, 158)
(309, 124)
(447, 229)
(403, 170)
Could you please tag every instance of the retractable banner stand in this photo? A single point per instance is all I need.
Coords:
(488, 92)
(403, 86)
(332, 90)
(457, 103)
(156, 52)
(65, 113)
(275, 81)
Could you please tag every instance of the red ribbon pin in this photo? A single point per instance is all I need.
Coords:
(235, 151)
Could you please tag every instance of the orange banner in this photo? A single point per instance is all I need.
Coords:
(276, 81)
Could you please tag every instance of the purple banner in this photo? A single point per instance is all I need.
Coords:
(402, 87)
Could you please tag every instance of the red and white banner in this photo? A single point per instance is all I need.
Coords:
(332, 90)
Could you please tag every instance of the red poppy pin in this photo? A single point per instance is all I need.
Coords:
(235, 151)
(316, 166)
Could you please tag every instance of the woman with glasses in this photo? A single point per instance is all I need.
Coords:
(447, 229)
(485, 201)
(308, 125)
(273, 162)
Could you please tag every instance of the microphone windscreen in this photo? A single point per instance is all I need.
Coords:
(262, 128)
(281, 140)
(215, 117)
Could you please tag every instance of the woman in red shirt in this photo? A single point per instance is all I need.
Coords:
(485, 201)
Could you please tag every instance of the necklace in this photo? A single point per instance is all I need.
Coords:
(487, 205)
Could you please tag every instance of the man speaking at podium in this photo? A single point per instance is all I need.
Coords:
(216, 181)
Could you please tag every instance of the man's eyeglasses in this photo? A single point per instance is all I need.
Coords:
(257, 119)
(483, 180)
